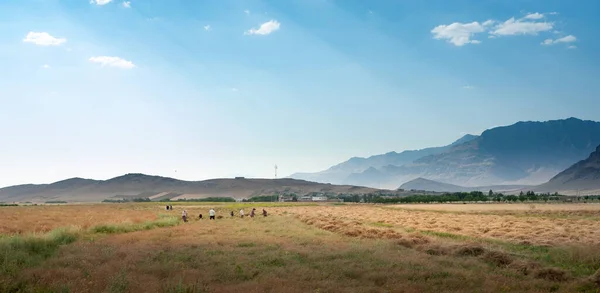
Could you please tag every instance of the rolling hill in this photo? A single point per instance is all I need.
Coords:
(156, 187)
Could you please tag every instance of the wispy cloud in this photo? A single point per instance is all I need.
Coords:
(117, 62)
(207, 27)
(458, 33)
(567, 39)
(234, 89)
(265, 28)
(514, 27)
(468, 87)
(43, 39)
(100, 2)
(126, 4)
(46, 66)
(572, 47)
(534, 16)
(247, 12)
(531, 24)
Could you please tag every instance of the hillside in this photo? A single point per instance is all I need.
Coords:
(430, 185)
(525, 153)
(156, 187)
(583, 176)
(366, 171)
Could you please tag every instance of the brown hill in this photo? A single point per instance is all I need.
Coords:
(155, 187)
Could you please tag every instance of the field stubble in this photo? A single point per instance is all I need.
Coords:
(351, 248)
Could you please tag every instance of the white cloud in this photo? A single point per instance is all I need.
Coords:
(488, 22)
(46, 66)
(458, 33)
(43, 39)
(100, 2)
(233, 89)
(547, 42)
(126, 4)
(534, 16)
(567, 39)
(468, 87)
(207, 27)
(247, 12)
(572, 47)
(265, 28)
(514, 27)
(113, 62)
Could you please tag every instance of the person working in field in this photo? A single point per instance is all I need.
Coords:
(184, 215)
(200, 216)
(241, 213)
(232, 214)
(211, 213)
(252, 213)
(264, 213)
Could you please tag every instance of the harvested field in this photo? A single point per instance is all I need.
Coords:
(516, 228)
(39, 219)
(595, 207)
(325, 248)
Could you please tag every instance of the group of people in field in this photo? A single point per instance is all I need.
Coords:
(212, 214)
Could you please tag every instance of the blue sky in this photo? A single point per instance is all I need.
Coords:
(201, 89)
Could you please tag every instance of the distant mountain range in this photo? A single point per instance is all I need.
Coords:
(371, 171)
(525, 153)
(430, 185)
(156, 187)
(583, 176)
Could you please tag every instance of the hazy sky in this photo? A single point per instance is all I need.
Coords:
(222, 88)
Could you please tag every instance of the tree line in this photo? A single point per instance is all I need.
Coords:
(474, 196)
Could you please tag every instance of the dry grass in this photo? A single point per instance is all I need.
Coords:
(41, 219)
(518, 229)
(353, 248)
(500, 207)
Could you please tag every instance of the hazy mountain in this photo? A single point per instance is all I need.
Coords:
(430, 185)
(140, 185)
(365, 171)
(525, 153)
(583, 176)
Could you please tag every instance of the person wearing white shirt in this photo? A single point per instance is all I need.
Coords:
(184, 215)
(211, 213)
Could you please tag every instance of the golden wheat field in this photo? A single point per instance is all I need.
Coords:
(301, 248)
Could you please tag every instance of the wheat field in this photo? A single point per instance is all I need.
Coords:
(299, 248)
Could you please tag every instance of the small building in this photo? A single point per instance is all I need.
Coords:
(319, 198)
